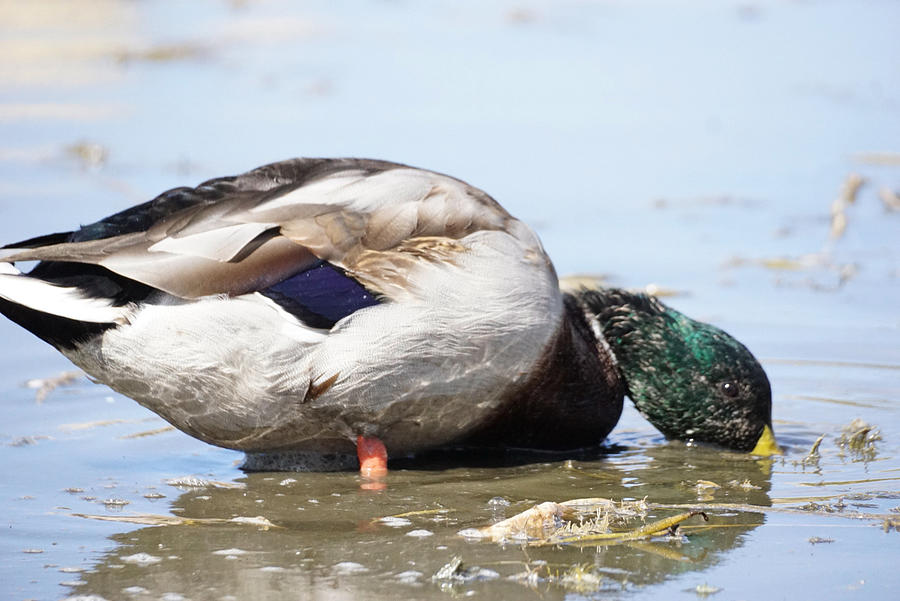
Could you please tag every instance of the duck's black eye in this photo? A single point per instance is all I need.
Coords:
(729, 389)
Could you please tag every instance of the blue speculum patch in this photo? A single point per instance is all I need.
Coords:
(322, 295)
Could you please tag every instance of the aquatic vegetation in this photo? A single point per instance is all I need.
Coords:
(839, 206)
(578, 521)
(192, 482)
(706, 489)
(88, 154)
(745, 485)
(858, 438)
(581, 578)
(705, 590)
(148, 519)
(454, 572)
(891, 522)
(890, 199)
(163, 53)
(25, 441)
(813, 456)
(44, 386)
(145, 433)
(115, 503)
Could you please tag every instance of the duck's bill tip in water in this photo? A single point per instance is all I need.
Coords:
(766, 445)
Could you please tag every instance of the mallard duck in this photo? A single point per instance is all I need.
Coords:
(341, 305)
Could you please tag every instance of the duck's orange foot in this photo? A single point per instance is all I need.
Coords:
(372, 457)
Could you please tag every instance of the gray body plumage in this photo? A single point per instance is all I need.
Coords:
(242, 373)
(470, 308)
(300, 305)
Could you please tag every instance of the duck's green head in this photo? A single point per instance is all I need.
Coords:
(691, 380)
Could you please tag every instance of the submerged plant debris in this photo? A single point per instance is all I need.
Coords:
(825, 273)
(705, 590)
(148, 519)
(823, 269)
(145, 433)
(839, 206)
(813, 456)
(193, 482)
(164, 53)
(891, 523)
(579, 521)
(580, 578)
(818, 540)
(44, 386)
(859, 439)
(455, 571)
(90, 155)
(890, 199)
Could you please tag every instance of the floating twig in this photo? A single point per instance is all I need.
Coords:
(655, 528)
(145, 433)
(151, 519)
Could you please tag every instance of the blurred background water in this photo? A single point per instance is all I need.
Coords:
(741, 156)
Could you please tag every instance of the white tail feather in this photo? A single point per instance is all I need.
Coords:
(56, 300)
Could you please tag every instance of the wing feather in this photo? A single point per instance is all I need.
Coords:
(245, 233)
(221, 244)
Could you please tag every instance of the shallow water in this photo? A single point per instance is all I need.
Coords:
(697, 146)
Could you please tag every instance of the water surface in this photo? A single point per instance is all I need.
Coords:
(697, 146)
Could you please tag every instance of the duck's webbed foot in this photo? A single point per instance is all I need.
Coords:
(372, 457)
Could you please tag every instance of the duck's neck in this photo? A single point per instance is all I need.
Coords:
(636, 328)
(575, 394)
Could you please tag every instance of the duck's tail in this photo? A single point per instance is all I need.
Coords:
(60, 315)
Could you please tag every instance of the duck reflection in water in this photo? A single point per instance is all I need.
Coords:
(324, 532)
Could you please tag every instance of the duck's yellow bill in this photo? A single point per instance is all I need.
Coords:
(766, 445)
